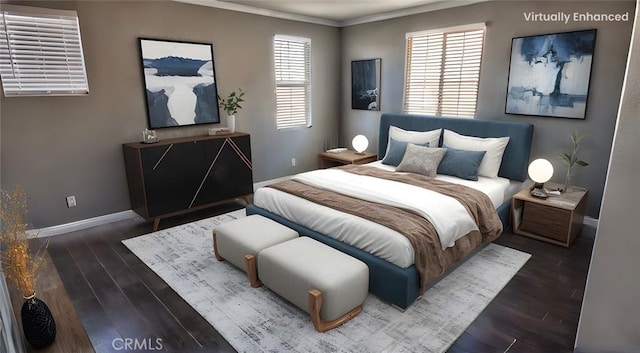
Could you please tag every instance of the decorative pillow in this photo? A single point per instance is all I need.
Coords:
(494, 146)
(421, 160)
(460, 163)
(395, 152)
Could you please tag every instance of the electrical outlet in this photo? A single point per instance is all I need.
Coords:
(71, 201)
(293, 162)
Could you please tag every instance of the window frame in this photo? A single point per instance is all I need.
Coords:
(66, 76)
(306, 83)
(439, 94)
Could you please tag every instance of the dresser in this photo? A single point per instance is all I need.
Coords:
(186, 174)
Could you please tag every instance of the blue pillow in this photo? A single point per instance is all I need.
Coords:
(460, 163)
(396, 151)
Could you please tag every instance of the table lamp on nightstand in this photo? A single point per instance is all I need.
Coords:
(540, 171)
(360, 143)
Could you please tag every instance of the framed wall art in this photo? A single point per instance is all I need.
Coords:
(180, 83)
(549, 74)
(365, 84)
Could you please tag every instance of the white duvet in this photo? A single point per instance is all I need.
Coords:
(447, 215)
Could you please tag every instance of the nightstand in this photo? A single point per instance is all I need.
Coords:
(328, 159)
(556, 220)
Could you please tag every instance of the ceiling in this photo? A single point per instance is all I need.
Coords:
(333, 12)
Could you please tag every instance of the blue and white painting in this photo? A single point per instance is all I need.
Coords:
(180, 83)
(549, 74)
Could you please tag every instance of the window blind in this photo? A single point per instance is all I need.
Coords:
(443, 71)
(292, 58)
(41, 52)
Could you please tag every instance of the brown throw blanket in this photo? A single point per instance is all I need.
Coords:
(430, 260)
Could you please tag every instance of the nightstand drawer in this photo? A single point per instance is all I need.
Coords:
(545, 221)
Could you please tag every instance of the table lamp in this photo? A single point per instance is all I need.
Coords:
(540, 171)
(360, 143)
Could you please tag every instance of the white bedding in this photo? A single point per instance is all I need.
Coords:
(361, 233)
(447, 215)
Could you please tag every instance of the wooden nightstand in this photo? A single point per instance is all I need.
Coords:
(328, 159)
(556, 220)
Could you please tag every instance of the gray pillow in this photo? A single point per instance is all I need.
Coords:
(421, 160)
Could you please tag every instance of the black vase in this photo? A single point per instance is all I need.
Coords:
(37, 323)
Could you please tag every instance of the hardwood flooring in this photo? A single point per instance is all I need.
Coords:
(117, 297)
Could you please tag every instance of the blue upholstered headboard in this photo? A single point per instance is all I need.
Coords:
(516, 155)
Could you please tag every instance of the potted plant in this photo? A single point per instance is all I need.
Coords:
(570, 158)
(20, 266)
(231, 104)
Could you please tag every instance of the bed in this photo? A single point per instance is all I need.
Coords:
(391, 279)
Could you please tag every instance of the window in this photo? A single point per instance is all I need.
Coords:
(292, 58)
(443, 71)
(41, 52)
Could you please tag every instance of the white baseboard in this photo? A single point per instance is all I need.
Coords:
(591, 222)
(110, 218)
(82, 224)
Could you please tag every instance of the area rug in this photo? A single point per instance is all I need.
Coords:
(257, 320)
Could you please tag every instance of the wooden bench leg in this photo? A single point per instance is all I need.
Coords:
(315, 304)
(215, 246)
(252, 271)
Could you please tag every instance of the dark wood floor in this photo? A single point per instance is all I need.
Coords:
(117, 297)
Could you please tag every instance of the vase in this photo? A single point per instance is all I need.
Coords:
(567, 180)
(231, 123)
(37, 323)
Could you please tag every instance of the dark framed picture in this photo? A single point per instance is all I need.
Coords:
(365, 84)
(179, 82)
(549, 74)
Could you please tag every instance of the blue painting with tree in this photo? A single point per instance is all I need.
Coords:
(549, 74)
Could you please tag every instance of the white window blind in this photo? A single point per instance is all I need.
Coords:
(443, 71)
(292, 58)
(41, 52)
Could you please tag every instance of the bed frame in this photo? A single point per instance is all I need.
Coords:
(401, 286)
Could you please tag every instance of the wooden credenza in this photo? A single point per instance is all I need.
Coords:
(186, 174)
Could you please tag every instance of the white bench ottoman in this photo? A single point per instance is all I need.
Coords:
(241, 240)
(330, 285)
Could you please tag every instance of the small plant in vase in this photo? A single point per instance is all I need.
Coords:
(231, 104)
(20, 267)
(570, 158)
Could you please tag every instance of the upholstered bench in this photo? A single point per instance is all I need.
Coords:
(330, 285)
(239, 241)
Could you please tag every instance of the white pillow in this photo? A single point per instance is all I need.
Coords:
(416, 137)
(494, 146)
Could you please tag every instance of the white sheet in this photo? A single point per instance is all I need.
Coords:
(363, 234)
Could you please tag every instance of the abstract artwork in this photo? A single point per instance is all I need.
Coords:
(180, 84)
(549, 74)
(365, 84)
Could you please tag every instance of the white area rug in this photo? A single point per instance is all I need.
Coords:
(257, 320)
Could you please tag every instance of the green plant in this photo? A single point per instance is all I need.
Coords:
(570, 158)
(231, 103)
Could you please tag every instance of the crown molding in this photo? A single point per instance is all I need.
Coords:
(434, 6)
(440, 5)
(259, 11)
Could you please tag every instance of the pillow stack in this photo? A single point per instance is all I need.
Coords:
(461, 156)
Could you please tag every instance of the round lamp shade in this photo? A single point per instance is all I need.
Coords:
(540, 170)
(360, 143)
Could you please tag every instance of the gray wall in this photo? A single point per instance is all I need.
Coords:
(505, 20)
(59, 146)
(610, 317)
